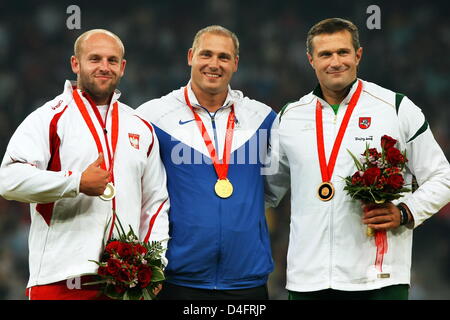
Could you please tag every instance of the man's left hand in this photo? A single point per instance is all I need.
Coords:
(157, 289)
(381, 217)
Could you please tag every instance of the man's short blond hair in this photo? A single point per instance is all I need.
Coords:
(78, 43)
(218, 30)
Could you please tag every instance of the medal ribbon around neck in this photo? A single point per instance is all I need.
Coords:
(114, 137)
(90, 124)
(220, 168)
(327, 170)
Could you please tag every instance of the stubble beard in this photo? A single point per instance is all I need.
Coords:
(87, 84)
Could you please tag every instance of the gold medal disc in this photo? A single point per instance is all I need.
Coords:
(223, 188)
(325, 192)
(109, 193)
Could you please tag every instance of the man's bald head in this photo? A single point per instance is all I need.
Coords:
(78, 46)
(98, 63)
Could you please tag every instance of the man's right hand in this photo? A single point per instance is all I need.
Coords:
(94, 179)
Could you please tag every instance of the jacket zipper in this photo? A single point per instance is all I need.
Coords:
(331, 217)
(216, 146)
(216, 143)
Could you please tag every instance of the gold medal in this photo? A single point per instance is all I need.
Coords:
(325, 192)
(223, 188)
(109, 193)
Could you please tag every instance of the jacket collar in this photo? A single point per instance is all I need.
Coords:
(233, 97)
(351, 89)
(70, 85)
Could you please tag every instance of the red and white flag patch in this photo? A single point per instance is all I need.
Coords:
(364, 122)
(134, 140)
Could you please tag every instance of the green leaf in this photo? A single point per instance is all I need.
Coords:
(121, 231)
(112, 293)
(131, 232)
(358, 164)
(96, 262)
(146, 294)
(157, 274)
(95, 282)
(134, 293)
(157, 263)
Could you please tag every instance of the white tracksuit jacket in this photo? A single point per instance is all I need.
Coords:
(43, 165)
(328, 246)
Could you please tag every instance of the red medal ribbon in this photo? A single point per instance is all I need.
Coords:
(90, 124)
(114, 137)
(220, 168)
(327, 170)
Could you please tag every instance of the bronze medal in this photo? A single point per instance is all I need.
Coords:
(325, 192)
(223, 188)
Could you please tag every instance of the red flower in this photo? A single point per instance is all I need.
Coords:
(395, 181)
(144, 275)
(391, 171)
(123, 275)
(114, 266)
(112, 247)
(356, 178)
(381, 183)
(125, 250)
(387, 142)
(394, 156)
(370, 176)
(140, 248)
(102, 271)
(372, 152)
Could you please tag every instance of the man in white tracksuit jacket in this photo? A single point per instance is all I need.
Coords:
(60, 164)
(330, 256)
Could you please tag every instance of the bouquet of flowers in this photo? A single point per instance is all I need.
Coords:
(379, 175)
(130, 269)
(378, 179)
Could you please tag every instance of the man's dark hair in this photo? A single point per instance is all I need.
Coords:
(330, 26)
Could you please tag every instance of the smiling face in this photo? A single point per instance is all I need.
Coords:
(99, 65)
(334, 60)
(213, 62)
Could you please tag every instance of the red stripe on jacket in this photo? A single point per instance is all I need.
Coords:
(153, 136)
(152, 221)
(46, 209)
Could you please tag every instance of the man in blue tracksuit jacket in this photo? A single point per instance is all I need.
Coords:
(213, 143)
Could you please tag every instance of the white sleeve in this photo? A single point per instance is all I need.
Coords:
(23, 173)
(277, 174)
(155, 199)
(427, 163)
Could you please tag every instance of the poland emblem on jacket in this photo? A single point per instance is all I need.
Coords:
(134, 140)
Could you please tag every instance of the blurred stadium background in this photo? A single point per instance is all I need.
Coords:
(409, 54)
